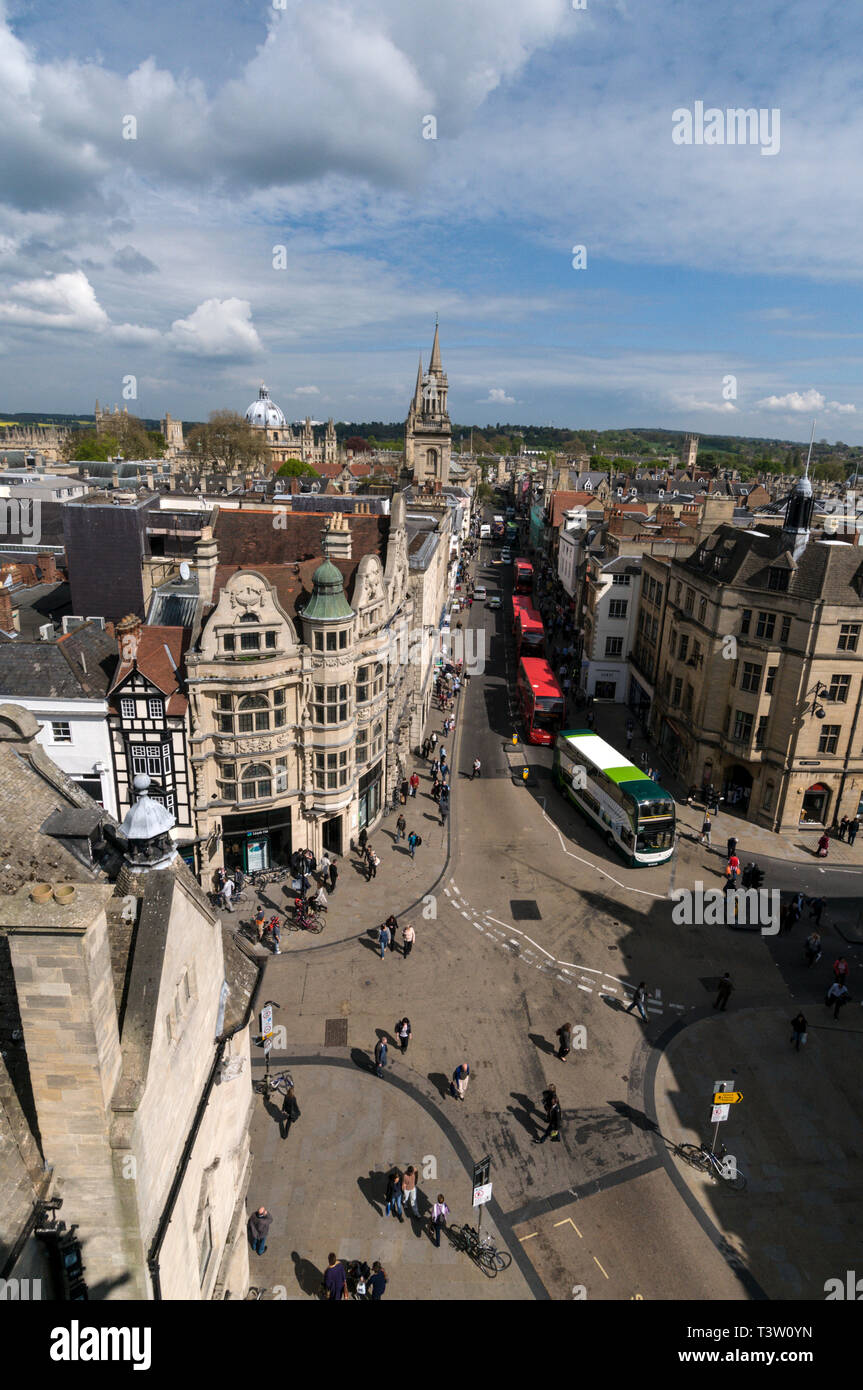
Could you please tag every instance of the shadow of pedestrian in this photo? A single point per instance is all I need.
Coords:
(542, 1044)
(373, 1188)
(440, 1082)
(370, 944)
(362, 1060)
(523, 1112)
(309, 1277)
(612, 1003)
(274, 1111)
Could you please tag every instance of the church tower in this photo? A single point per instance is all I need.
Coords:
(428, 431)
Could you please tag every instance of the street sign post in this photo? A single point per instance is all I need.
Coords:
(481, 1184)
(727, 1097)
(717, 1115)
(724, 1096)
(267, 1040)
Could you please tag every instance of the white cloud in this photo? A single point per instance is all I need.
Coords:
(497, 396)
(217, 328)
(692, 402)
(306, 391)
(134, 334)
(800, 402)
(55, 301)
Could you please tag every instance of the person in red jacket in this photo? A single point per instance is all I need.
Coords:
(415, 781)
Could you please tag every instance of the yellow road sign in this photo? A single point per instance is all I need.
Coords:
(727, 1097)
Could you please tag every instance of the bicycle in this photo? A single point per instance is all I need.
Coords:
(280, 1082)
(703, 1159)
(261, 876)
(305, 920)
(482, 1250)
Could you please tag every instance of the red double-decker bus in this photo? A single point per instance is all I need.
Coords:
(523, 577)
(529, 631)
(540, 699)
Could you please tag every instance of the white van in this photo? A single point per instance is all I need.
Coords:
(485, 532)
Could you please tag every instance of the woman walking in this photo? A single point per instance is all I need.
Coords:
(403, 1029)
(565, 1035)
(394, 1193)
(290, 1112)
(798, 1031)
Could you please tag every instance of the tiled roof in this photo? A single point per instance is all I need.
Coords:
(154, 663)
(249, 540)
(55, 670)
(829, 571)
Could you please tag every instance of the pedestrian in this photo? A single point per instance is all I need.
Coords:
(705, 829)
(436, 786)
(840, 970)
(335, 1282)
(384, 937)
(227, 894)
(477, 768)
(415, 781)
(564, 1032)
(319, 900)
(853, 827)
(220, 880)
(414, 841)
(816, 907)
(260, 918)
(813, 948)
(843, 827)
(239, 882)
(409, 1188)
(552, 1111)
(798, 1030)
(630, 730)
(334, 873)
(732, 846)
(424, 748)
(392, 924)
(363, 839)
(372, 862)
(837, 995)
(404, 789)
(401, 827)
(434, 741)
(460, 1080)
(290, 1112)
(823, 845)
(403, 1028)
(637, 1001)
(723, 993)
(444, 809)
(380, 1055)
(259, 1227)
(274, 927)
(732, 868)
(394, 1193)
(440, 1212)
(378, 1281)
(409, 936)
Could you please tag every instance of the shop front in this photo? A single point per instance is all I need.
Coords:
(371, 794)
(639, 699)
(816, 800)
(257, 841)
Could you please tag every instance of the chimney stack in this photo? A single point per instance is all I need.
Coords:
(7, 620)
(47, 563)
(336, 541)
(128, 634)
(206, 560)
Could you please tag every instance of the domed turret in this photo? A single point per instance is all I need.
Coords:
(147, 826)
(264, 413)
(328, 602)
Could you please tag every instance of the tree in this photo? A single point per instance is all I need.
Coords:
(357, 445)
(830, 471)
(229, 439)
(295, 468)
(124, 434)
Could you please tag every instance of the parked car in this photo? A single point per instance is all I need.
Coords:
(494, 601)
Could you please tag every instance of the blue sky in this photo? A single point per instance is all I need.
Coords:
(260, 127)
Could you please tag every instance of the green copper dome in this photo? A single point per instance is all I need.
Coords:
(328, 603)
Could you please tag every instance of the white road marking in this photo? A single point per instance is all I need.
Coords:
(586, 989)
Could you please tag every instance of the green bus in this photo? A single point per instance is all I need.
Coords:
(635, 814)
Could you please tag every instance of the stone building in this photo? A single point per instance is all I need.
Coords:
(428, 430)
(302, 700)
(759, 670)
(288, 441)
(124, 1021)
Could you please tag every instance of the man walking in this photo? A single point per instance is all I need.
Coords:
(564, 1033)
(334, 873)
(853, 826)
(477, 768)
(415, 781)
(380, 1055)
(290, 1112)
(637, 1001)
(335, 1283)
(259, 1226)
(408, 939)
(409, 1188)
(413, 841)
(723, 993)
(440, 1212)
(837, 995)
(227, 894)
(553, 1128)
(385, 936)
(371, 863)
(460, 1080)
(401, 827)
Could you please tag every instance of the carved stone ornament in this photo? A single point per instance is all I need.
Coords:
(246, 597)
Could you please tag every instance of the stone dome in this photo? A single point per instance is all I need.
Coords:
(264, 413)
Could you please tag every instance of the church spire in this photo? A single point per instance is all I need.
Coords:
(418, 393)
(435, 365)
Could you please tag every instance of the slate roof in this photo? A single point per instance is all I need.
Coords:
(832, 571)
(54, 670)
(249, 540)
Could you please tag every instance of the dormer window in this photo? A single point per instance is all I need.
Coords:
(777, 579)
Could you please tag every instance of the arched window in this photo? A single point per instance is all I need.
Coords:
(254, 715)
(256, 782)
